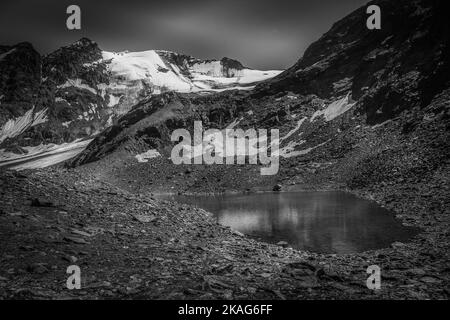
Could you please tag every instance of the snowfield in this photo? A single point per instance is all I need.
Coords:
(146, 65)
(42, 156)
(15, 127)
(151, 67)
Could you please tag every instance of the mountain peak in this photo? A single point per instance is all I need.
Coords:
(232, 63)
(352, 58)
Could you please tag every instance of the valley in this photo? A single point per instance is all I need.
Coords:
(363, 113)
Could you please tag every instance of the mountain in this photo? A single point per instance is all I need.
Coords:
(361, 110)
(79, 90)
(402, 66)
(139, 74)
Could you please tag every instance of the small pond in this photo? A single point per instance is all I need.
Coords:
(324, 222)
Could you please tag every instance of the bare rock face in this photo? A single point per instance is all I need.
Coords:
(19, 63)
(19, 79)
(51, 99)
(76, 61)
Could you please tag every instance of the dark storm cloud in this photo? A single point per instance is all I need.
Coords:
(261, 34)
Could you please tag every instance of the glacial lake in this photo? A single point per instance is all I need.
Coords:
(323, 222)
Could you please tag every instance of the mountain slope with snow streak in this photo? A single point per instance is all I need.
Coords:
(14, 127)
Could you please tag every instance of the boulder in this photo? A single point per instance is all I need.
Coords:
(277, 188)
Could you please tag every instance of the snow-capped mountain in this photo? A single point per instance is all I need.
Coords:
(361, 108)
(137, 74)
(77, 91)
(171, 71)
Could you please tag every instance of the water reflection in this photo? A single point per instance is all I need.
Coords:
(327, 222)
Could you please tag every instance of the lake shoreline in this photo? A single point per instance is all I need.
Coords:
(328, 218)
(183, 250)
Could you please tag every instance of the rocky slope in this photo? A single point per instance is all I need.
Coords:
(79, 90)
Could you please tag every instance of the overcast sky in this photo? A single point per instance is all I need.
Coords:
(270, 34)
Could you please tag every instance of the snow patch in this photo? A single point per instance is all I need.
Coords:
(288, 151)
(109, 123)
(381, 124)
(213, 69)
(150, 154)
(59, 99)
(51, 148)
(241, 78)
(132, 66)
(290, 133)
(15, 127)
(43, 155)
(335, 109)
(78, 83)
(66, 124)
(114, 100)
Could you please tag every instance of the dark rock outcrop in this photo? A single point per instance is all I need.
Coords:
(20, 78)
(58, 88)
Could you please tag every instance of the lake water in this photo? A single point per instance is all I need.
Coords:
(325, 222)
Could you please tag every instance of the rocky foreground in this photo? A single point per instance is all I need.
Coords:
(133, 246)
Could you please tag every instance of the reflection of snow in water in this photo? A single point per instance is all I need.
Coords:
(325, 222)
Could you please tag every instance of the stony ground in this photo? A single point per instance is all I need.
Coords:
(130, 245)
